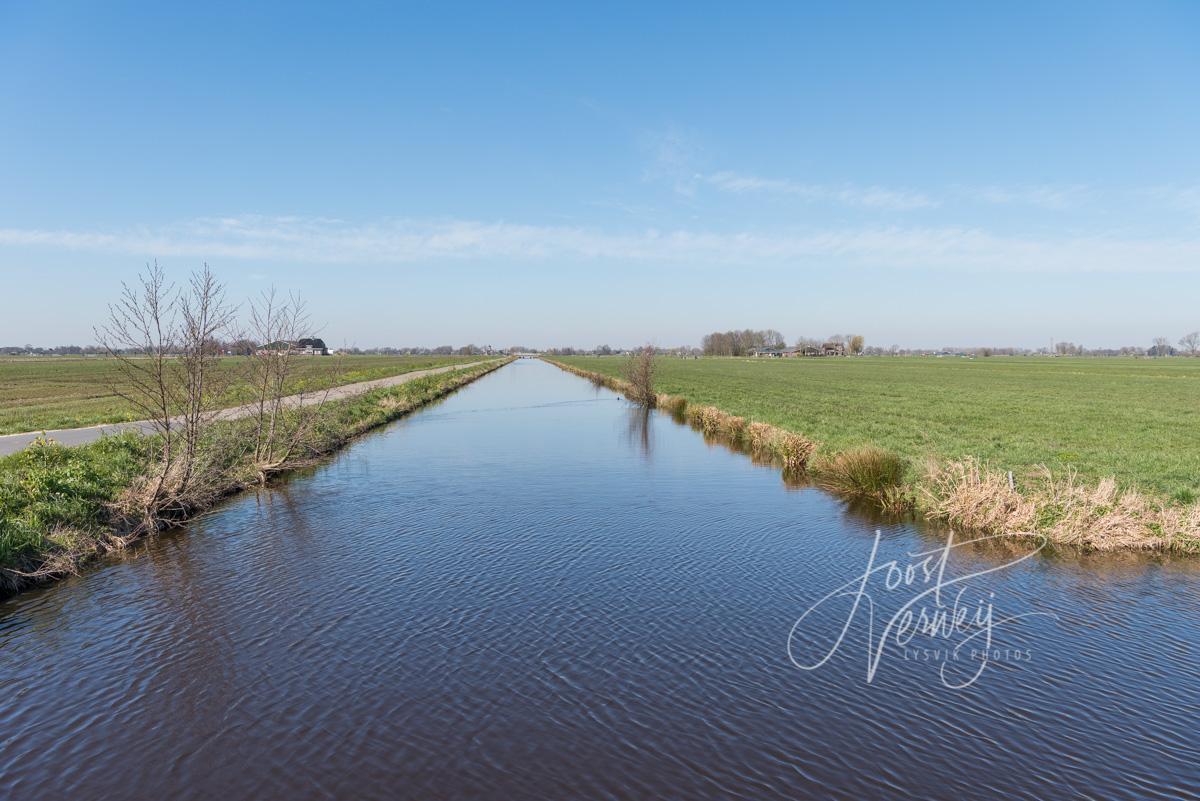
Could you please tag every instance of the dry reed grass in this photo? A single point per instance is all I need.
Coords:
(1101, 516)
(965, 493)
(675, 404)
(867, 474)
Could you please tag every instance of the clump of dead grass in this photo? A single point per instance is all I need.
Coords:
(675, 404)
(790, 450)
(1101, 516)
(965, 493)
(705, 418)
(867, 474)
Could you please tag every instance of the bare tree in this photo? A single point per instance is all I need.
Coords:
(1162, 346)
(1191, 343)
(640, 374)
(280, 427)
(165, 343)
(740, 343)
(140, 336)
(772, 339)
(206, 318)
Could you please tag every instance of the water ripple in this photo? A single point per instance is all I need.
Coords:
(508, 596)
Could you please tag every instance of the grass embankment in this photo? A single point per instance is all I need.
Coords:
(39, 393)
(60, 507)
(1105, 453)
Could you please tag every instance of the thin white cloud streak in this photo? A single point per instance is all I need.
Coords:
(1185, 199)
(875, 197)
(1056, 198)
(424, 241)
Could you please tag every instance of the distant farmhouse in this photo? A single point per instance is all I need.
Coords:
(828, 349)
(303, 347)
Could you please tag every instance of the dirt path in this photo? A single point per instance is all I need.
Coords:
(11, 443)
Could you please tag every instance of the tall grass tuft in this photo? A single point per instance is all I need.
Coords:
(1100, 516)
(705, 418)
(791, 451)
(868, 474)
(966, 493)
(675, 404)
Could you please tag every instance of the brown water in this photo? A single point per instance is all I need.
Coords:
(531, 591)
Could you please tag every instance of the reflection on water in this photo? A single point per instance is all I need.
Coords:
(639, 428)
(532, 591)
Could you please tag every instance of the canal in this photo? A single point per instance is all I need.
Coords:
(532, 591)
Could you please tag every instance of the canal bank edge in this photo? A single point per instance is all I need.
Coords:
(965, 494)
(65, 545)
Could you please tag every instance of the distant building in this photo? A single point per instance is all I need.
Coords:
(833, 349)
(827, 349)
(312, 347)
(303, 347)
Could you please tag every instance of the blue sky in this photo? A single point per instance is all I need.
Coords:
(955, 173)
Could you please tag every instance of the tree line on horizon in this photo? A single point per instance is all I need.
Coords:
(719, 343)
(248, 347)
(747, 340)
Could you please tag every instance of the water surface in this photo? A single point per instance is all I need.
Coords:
(531, 591)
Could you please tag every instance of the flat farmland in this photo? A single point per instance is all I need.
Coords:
(1135, 419)
(42, 393)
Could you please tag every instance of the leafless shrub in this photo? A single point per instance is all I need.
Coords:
(1191, 343)
(165, 343)
(206, 318)
(141, 336)
(282, 423)
(640, 375)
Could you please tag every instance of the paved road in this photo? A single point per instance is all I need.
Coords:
(11, 443)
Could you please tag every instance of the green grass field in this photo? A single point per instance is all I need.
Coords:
(39, 393)
(1136, 419)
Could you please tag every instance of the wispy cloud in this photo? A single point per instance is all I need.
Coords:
(873, 197)
(673, 155)
(1057, 198)
(1178, 198)
(950, 249)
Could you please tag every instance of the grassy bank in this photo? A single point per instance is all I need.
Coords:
(42, 393)
(60, 507)
(1103, 453)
